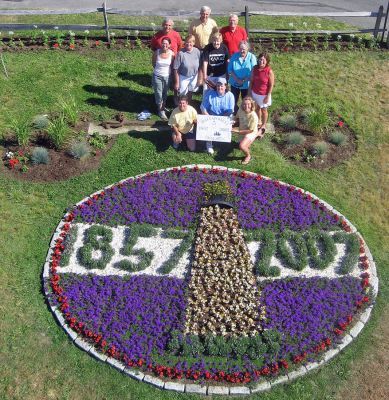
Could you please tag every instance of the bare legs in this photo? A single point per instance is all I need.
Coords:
(244, 145)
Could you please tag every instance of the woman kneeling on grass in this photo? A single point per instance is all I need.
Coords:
(248, 126)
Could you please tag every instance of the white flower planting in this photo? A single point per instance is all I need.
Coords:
(222, 292)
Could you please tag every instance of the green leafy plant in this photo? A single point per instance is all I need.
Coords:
(321, 249)
(319, 149)
(22, 130)
(98, 140)
(338, 138)
(317, 120)
(58, 131)
(79, 149)
(338, 44)
(69, 110)
(294, 138)
(218, 188)
(40, 155)
(288, 121)
(40, 122)
(350, 260)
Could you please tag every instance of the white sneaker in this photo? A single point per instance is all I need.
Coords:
(210, 150)
(162, 115)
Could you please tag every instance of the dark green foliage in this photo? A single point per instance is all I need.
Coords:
(97, 237)
(177, 253)
(192, 346)
(174, 233)
(322, 258)
(351, 257)
(297, 257)
(264, 254)
(131, 236)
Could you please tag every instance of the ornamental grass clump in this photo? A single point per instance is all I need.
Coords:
(317, 120)
(58, 131)
(40, 122)
(337, 138)
(295, 138)
(319, 149)
(40, 155)
(288, 121)
(79, 150)
(22, 130)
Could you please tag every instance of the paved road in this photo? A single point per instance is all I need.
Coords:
(189, 8)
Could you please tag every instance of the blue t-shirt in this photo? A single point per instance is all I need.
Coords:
(241, 68)
(214, 104)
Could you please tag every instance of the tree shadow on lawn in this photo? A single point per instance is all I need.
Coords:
(120, 98)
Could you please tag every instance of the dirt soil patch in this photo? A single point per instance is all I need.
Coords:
(304, 154)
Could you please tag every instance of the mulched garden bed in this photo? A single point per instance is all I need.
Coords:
(303, 154)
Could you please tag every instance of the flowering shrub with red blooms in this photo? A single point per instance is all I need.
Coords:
(132, 319)
(19, 160)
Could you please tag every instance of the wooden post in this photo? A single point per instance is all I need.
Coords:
(247, 20)
(106, 22)
(378, 21)
(386, 20)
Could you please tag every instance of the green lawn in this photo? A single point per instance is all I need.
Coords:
(37, 359)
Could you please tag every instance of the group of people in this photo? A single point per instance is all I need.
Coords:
(210, 58)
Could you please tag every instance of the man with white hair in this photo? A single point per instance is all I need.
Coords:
(233, 34)
(203, 28)
(167, 31)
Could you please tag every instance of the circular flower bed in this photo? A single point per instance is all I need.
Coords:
(147, 276)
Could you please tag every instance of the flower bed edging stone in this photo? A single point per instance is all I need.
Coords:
(211, 389)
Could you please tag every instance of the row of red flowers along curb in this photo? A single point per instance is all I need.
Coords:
(77, 331)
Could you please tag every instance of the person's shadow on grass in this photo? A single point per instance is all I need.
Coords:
(160, 140)
(119, 98)
(139, 79)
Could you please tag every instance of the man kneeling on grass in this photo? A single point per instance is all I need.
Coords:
(183, 120)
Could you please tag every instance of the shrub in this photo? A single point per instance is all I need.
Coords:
(40, 122)
(317, 120)
(288, 121)
(40, 155)
(319, 148)
(79, 149)
(22, 130)
(58, 131)
(295, 138)
(338, 138)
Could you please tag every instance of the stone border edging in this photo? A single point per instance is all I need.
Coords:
(210, 389)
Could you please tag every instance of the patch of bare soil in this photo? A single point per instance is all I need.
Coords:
(304, 154)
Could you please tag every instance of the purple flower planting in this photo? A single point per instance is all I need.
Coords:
(135, 315)
(175, 198)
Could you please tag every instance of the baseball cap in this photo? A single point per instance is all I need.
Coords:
(221, 80)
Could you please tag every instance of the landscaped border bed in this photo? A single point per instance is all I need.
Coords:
(86, 339)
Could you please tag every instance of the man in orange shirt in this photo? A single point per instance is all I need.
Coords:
(233, 34)
(167, 31)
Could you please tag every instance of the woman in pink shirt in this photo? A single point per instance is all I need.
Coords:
(261, 87)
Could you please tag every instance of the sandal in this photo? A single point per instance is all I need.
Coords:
(246, 160)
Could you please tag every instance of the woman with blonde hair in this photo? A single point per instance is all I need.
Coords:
(186, 66)
(248, 126)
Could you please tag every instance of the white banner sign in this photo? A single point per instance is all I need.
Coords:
(213, 128)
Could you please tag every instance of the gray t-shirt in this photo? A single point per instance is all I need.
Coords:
(186, 63)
